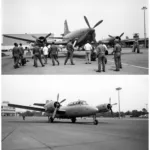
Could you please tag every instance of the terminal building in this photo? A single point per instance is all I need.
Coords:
(6, 110)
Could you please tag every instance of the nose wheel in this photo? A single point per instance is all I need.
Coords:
(50, 119)
(95, 121)
(73, 120)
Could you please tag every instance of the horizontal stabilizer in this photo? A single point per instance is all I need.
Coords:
(26, 107)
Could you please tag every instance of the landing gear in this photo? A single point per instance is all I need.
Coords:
(73, 120)
(50, 119)
(95, 121)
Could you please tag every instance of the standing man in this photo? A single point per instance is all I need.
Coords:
(21, 54)
(70, 51)
(54, 53)
(101, 49)
(45, 53)
(88, 49)
(16, 55)
(117, 55)
(136, 46)
(37, 55)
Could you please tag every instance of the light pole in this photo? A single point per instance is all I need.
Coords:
(144, 8)
(118, 89)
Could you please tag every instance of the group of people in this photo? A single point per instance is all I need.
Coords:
(38, 51)
(18, 53)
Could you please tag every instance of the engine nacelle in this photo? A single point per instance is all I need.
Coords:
(50, 106)
(103, 108)
(41, 41)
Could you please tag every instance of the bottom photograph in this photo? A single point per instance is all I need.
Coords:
(74, 112)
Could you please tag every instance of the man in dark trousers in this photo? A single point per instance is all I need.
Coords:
(70, 50)
(101, 56)
(16, 55)
(54, 53)
(136, 46)
(37, 55)
(21, 54)
(117, 55)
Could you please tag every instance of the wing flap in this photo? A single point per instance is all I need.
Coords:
(26, 107)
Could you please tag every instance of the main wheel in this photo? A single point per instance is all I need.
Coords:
(73, 120)
(50, 119)
(95, 122)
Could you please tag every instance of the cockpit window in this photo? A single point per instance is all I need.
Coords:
(78, 103)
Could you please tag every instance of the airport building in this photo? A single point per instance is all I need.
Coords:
(6, 110)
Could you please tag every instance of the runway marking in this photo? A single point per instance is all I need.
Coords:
(132, 65)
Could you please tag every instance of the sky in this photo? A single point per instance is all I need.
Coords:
(95, 90)
(47, 16)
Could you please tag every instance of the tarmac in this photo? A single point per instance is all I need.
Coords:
(133, 64)
(35, 133)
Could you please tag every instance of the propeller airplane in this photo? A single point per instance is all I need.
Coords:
(80, 108)
(81, 36)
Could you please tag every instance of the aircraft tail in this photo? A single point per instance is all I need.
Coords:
(66, 29)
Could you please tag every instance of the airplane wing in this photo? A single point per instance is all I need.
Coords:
(20, 38)
(26, 107)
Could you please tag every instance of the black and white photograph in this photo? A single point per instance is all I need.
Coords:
(89, 114)
(74, 75)
(87, 37)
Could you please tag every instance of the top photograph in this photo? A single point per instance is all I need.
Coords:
(82, 37)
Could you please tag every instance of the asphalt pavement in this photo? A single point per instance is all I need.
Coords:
(35, 133)
(133, 64)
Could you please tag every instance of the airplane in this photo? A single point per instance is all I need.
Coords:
(80, 108)
(80, 37)
(110, 41)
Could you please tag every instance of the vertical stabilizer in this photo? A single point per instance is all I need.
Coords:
(66, 29)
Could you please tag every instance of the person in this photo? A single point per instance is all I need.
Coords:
(23, 116)
(54, 53)
(101, 49)
(136, 46)
(117, 55)
(70, 51)
(37, 55)
(45, 53)
(88, 49)
(16, 55)
(21, 54)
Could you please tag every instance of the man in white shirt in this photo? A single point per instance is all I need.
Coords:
(45, 53)
(88, 49)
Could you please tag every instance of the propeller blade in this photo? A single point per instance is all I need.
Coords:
(94, 37)
(34, 37)
(57, 97)
(87, 22)
(62, 101)
(111, 36)
(112, 112)
(54, 113)
(47, 35)
(98, 23)
(121, 34)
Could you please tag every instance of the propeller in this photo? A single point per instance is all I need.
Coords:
(116, 37)
(92, 31)
(41, 40)
(109, 106)
(57, 106)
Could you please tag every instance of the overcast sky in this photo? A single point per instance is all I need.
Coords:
(28, 89)
(44, 16)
